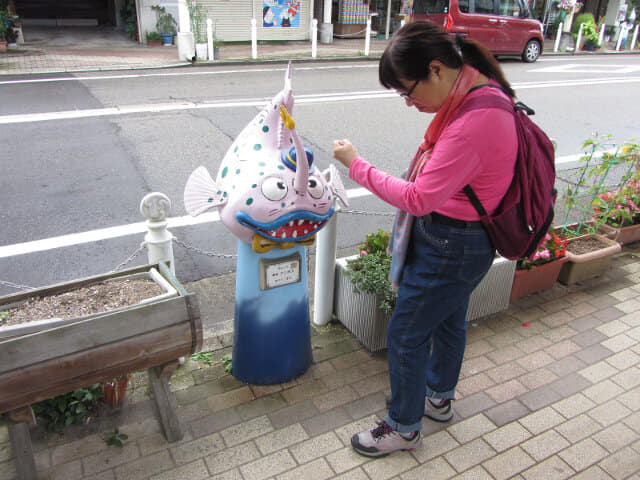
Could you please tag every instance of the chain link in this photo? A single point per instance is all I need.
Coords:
(362, 212)
(202, 252)
(15, 285)
(131, 257)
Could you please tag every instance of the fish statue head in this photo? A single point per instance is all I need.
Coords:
(268, 191)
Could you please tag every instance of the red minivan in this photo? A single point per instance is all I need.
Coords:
(505, 27)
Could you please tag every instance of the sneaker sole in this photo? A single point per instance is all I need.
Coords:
(377, 454)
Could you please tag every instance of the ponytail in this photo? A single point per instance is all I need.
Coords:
(415, 45)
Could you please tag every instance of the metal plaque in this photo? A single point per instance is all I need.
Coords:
(278, 272)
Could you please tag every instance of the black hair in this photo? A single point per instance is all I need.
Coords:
(415, 45)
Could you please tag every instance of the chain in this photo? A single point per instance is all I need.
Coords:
(132, 256)
(15, 285)
(202, 252)
(361, 212)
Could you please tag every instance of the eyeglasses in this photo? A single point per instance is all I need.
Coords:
(410, 91)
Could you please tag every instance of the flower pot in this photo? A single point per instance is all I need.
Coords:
(359, 312)
(114, 391)
(154, 43)
(586, 265)
(201, 51)
(167, 39)
(493, 292)
(3, 45)
(604, 229)
(540, 278)
(626, 235)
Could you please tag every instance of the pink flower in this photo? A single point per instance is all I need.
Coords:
(363, 252)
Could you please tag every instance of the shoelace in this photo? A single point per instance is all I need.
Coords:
(381, 430)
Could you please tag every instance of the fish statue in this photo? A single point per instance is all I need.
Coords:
(268, 192)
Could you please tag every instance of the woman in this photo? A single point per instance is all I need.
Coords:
(440, 250)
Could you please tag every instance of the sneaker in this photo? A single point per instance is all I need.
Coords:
(438, 410)
(383, 440)
(434, 409)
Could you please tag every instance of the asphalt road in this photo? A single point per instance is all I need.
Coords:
(80, 152)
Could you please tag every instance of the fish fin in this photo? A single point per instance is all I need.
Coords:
(334, 181)
(201, 193)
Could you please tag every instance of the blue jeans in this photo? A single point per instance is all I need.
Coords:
(426, 336)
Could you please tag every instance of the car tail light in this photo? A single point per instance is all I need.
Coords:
(448, 21)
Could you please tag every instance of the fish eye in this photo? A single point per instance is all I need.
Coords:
(315, 187)
(274, 188)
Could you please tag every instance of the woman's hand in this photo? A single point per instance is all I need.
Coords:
(344, 152)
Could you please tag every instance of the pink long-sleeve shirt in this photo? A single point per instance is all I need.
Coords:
(478, 148)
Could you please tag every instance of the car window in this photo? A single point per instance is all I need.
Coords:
(463, 5)
(484, 6)
(509, 8)
(431, 6)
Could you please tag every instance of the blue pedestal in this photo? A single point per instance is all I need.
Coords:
(272, 332)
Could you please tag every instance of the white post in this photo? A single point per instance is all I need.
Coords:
(185, 40)
(325, 271)
(388, 23)
(634, 39)
(619, 42)
(367, 37)
(558, 37)
(314, 38)
(601, 34)
(579, 39)
(155, 207)
(254, 39)
(210, 38)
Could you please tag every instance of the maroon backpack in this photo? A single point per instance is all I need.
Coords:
(524, 215)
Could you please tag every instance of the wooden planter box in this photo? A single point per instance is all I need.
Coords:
(587, 265)
(360, 314)
(53, 357)
(542, 277)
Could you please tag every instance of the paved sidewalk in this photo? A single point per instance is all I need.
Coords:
(550, 389)
(77, 49)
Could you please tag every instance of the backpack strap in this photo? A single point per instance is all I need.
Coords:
(488, 102)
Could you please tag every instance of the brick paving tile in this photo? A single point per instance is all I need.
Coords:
(435, 445)
(475, 473)
(613, 328)
(615, 437)
(232, 457)
(469, 454)
(317, 470)
(578, 428)
(229, 399)
(592, 473)
(588, 337)
(507, 412)
(539, 398)
(535, 360)
(193, 471)
(355, 474)
(316, 447)
(610, 412)
(559, 333)
(437, 469)
(507, 436)
(474, 384)
(570, 384)
(390, 466)
(242, 432)
(476, 348)
(101, 461)
(476, 365)
(268, 466)
(366, 406)
(505, 372)
(603, 391)
(583, 324)
(551, 469)
(214, 423)
(293, 414)
(471, 428)
(145, 467)
(545, 445)
(540, 377)
(199, 448)
(594, 354)
(279, 439)
(631, 399)
(541, 420)
(508, 463)
(583, 454)
(557, 319)
(628, 379)
(562, 349)
(372, 384)
(619, 343)
(573, 405)
(566, 366)
(345, 459)
(306, 391)
(504, 355)
(506, 391)
(260, 406)
(335, 398)
(473, 404)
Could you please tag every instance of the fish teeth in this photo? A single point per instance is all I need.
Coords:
(306, 231)
(284, 235)
(295, 234)
(300, 222)
(291, 223)
(273, 233)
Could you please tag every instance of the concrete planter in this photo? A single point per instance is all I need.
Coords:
(626, 235)
(587, 265)
(360, 314)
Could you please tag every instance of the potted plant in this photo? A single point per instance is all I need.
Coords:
(217, 43)
(589, 31)
(5, 25)
(198, 19)
(114, 390)
(364, 297)
(165, 24)
(130, 18)
(588, 252)
(540, 271)
(619, 208)
(154, 39)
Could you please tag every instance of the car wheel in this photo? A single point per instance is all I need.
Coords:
(531, 51)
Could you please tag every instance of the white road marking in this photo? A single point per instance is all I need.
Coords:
(300, 99)
(72, 239)
(612, 69)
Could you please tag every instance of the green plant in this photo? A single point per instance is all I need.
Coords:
(587, 195)
(586, 18)
(369, 272)
(5, 24)
(198, 18)
(115, 438)
(153, 36)
(78, 406)
(204, 357)
(130, 18)
(228, 366)
(165, 23)
(3, 316)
